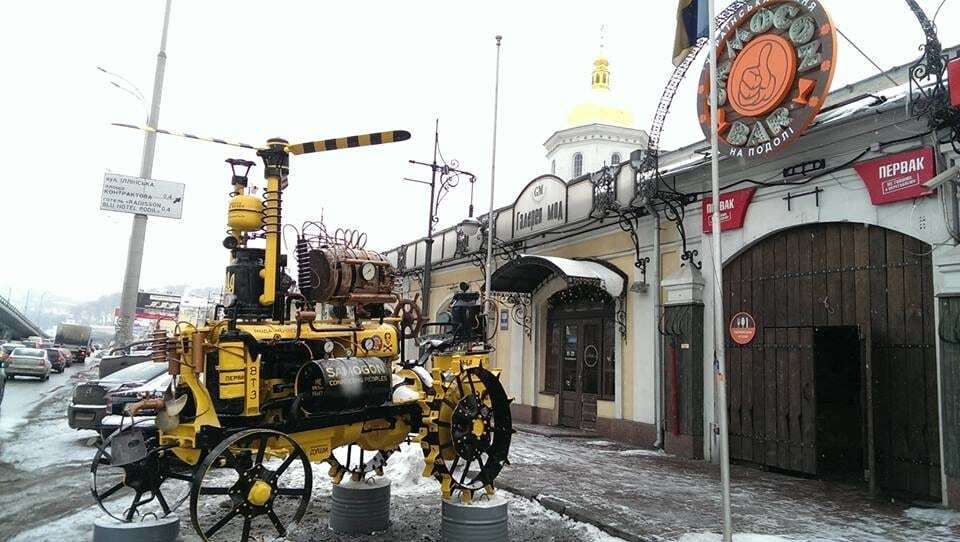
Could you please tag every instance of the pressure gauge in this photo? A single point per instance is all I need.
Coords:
(368, 271)
(328, 347)
(367, 344)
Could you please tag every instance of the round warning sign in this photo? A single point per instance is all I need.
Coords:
(743, 328)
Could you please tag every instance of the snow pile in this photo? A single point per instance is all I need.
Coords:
(935, 516)
(600, 443)
(405, 468)
(642, 452)
(737, 537)
(534, 512)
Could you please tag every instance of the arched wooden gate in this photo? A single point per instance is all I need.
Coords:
(836, 305)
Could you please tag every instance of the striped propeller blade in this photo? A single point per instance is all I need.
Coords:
(377, 138)
(188, 136)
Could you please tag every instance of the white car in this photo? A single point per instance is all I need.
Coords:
(26, 361)
(118, 400)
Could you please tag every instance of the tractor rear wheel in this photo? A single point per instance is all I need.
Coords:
(259, 480)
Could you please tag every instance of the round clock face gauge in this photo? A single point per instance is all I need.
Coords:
(328, 347)
(368, 271)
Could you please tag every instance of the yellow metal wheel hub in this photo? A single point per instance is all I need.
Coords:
(259, 493)
(478, 427)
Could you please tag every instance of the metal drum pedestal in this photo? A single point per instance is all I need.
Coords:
(481, 521)
(361, 507)
(162, 530)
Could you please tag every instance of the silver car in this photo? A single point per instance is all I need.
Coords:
(28, 362)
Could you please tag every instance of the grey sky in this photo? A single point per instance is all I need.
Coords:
(247, 70)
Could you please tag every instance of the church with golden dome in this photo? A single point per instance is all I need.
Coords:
(600, 132)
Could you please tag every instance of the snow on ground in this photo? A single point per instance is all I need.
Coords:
(533, 511)
(602, 443)
(77, 526)
(737, 537)
(405, 470)
(936, 516)
(642, 453)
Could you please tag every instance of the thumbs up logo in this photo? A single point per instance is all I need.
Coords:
(762, 75)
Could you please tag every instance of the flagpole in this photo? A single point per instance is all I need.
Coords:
(493, 176)
(720, 371)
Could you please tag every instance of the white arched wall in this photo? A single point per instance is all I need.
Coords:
(844, 199)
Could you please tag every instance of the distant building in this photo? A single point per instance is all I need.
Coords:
(599, 133)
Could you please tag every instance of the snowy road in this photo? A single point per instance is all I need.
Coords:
(42, 461)
(44, 483)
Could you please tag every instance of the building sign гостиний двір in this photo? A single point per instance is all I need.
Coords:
(542, 205)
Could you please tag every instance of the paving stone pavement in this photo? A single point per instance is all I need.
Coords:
(642, 495)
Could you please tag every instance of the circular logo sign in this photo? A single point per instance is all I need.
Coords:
(743, 328)
(775, 64)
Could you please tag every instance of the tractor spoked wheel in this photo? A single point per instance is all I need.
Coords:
(149, 482)
(472, 432)
(258, 480)
(355, 463)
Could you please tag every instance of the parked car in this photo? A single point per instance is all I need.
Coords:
(58, 362)
(90, 403)
(118, 361)
(120, 398)
(3, 382)
(24, 361)
(7, 348)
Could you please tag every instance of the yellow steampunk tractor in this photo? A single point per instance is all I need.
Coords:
(288, 374)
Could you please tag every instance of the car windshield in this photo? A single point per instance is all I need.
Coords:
(28, 353)
(141, 372)
(53, 352)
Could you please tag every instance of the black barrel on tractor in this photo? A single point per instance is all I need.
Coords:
(334, 384)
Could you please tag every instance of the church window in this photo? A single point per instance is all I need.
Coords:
(577, 165)
(553, 167)
(615, 159)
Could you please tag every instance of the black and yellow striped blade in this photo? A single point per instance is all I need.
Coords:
(377, 138)
(189, 136)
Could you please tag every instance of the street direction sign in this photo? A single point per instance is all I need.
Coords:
(126, 194)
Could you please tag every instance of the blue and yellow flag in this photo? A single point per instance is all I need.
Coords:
(693, 23)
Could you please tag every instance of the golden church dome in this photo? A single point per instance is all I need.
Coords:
(599, 108)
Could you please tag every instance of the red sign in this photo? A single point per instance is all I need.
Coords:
(733, 210)
(743, 328)
(898, 177)
(954, 74)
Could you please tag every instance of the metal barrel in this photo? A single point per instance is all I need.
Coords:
(479, 522)
(361, 508)
(162, 530)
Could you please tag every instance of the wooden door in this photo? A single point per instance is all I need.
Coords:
(837, 274)
(591, 353)
(570, 375)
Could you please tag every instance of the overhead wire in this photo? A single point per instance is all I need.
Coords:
(883, 72)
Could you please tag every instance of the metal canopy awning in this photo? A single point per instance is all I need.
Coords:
(525, 274)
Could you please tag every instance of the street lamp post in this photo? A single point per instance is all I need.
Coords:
(138, 232)
(436, 196)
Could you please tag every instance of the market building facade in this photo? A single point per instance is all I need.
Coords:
(841, 278)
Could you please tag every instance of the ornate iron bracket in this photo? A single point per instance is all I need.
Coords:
(932, 101)
(621, 315)
(502, 251)
(520, 309)
(402, 258)
(628, 222)
(931, 64)
(605, 191)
